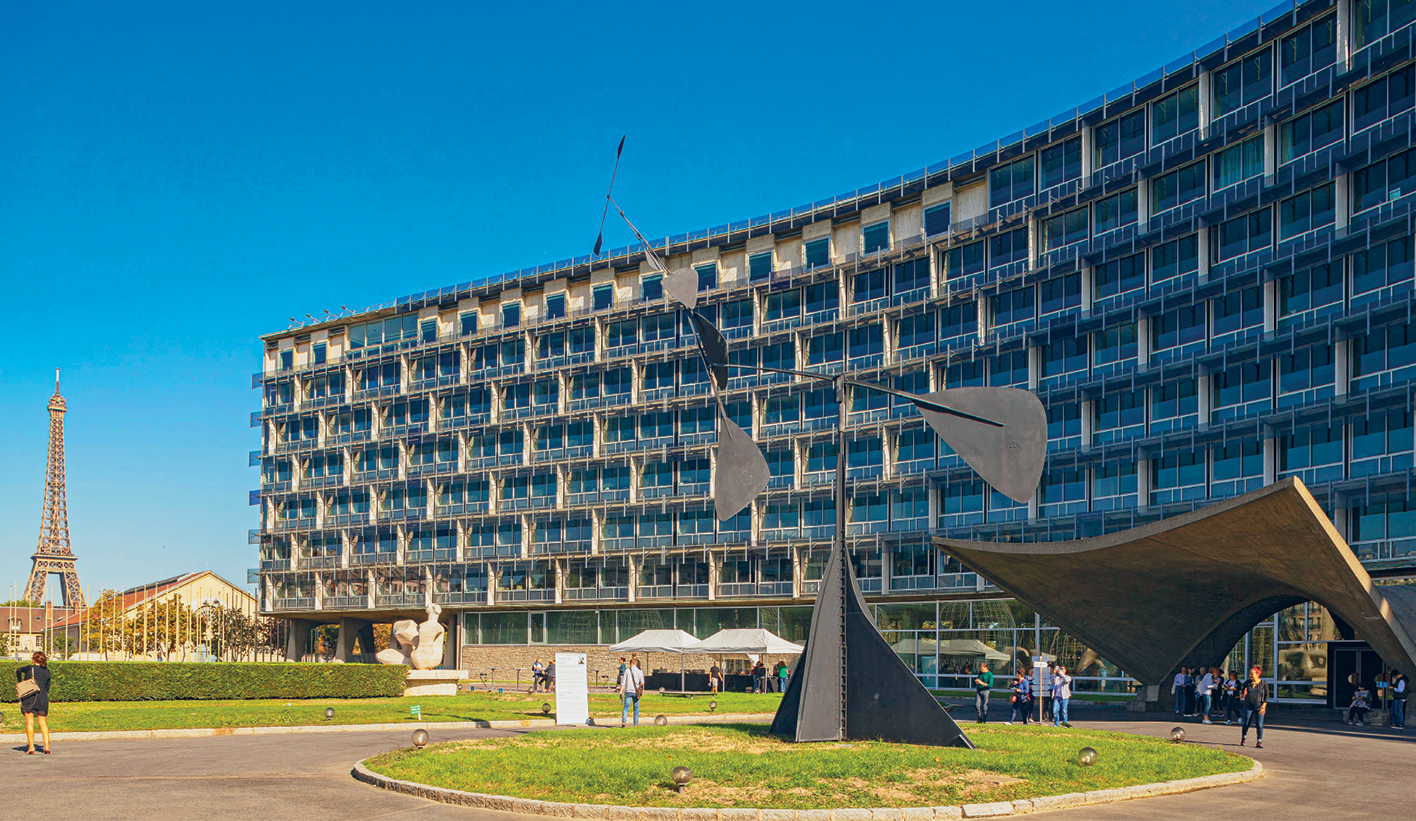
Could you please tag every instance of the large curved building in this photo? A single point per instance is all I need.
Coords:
(1206, 275)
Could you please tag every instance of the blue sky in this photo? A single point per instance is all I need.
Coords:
(177, 179)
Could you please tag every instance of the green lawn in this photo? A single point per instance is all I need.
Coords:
(150, 715)
(741, 765)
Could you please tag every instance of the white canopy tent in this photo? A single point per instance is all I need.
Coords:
(950, 648)
(661, 641)
(748, 641)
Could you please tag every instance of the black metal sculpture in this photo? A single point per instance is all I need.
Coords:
(849, 683)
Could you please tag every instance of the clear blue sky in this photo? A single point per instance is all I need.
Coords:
(176, 179)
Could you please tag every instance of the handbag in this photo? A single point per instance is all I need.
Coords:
(26, 688)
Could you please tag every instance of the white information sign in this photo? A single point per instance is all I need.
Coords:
(572, 689)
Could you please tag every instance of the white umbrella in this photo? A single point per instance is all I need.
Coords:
(660, 641)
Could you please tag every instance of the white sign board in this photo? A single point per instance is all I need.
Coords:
(572, 689)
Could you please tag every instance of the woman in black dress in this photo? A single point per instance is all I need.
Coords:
(36, 704)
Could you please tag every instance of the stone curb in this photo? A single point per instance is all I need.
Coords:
(431, 726)
(990, 810)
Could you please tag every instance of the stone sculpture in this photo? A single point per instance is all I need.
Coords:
(419, 646)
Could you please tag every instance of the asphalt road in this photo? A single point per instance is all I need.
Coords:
(1316, 769)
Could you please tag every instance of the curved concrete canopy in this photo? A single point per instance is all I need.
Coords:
(1186, 589)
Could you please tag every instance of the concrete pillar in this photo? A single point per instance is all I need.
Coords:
(366, 638)
(1270, 460)
(1341, 366)
(297, 638)
(349, 630)
(452, 642)
(1143, 484)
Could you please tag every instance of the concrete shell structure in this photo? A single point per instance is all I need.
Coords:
(1185, 590)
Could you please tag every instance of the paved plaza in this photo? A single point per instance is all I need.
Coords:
(1316, 770)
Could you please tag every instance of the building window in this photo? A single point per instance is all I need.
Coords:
(1242, 82)
(818, 253)
(321, 353)
(1063, 422)
(1241, 385)
(1243, 235)
(1121, 138)
(783, 304)
(1238, 468)
(511, 315)
(937, 219)
(707, 276)
(1008, 248)
(867, 286)
(1174, 115)
(1304, 370)
(1175, 258)
(867, 340)
(737, 314)
(1011, 182)
(964, 374)
(467, 323)
(911, 276)
(1238, 310)
(759, 267)
(959, 319)
(1238, 163)
(429, 330)
(1120, 275)
(824, 348)
(1177, 188)
(1115, 211)
(1170, 404)
(1374, 19)
(916, 330)
(622, 333)
(1382, 99)
(1064, 356)
(1310, 49)
(287, 359)
(1382, 266)
(1013, 306)
(822, 296)
(555, 306)
(1178, 477)
(603, 297)
(1007, 370)
(1061, 293)
(1310, 289)
(1065, 229)
(1384, 181)
(1181, 326)
(1383, 356)
(1061, 163)
(964, 260)
(875, 238)
(1305, 212)
(1303, 135)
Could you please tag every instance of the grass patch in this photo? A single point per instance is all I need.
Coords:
(88, 716)
(741, 765)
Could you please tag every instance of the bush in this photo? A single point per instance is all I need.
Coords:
(171, 681)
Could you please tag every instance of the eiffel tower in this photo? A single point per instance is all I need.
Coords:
(54, 555)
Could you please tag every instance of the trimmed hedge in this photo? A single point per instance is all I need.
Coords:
(175, 680)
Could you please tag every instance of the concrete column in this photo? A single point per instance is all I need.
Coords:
(1143, 343)
(1202, 395)
(1034, 367)
(297, 638)
(887, 560)
(1088, 423)
(1341, 366)
(1270, 460)
(1270, 296)
(633, 581)
(798, 570)
(349, 630)
(1086, 273)
(366, 638)
(558, 567)
(714, 572)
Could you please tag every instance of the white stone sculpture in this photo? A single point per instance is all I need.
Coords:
(419, 646)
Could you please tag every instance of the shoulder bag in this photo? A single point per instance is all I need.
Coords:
(28, 687)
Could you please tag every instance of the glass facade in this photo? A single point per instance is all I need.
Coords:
(1214, 296)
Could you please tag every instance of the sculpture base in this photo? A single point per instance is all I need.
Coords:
(432, 682)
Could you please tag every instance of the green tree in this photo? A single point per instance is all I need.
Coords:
(228, 633)
(105, 630)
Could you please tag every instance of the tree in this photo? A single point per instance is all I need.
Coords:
(161, 626)
(105, 630)
(227, 631)
(57, 644)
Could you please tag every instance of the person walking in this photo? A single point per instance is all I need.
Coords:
(1205, 689)
(1061, 694)
(782, 675)
(1399, 687)
(983, 682)
(759, 677)
(631, 690)
(715, 678)
(1361, 703)
(1177, 689)
(35, 703)
(619, 674)
(1021, 698)
(1254, 697)
(1232, 711)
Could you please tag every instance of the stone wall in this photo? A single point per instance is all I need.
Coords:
(480, 658)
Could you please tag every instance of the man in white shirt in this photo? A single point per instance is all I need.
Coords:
(1061, 694)
(631, 688)
(1206, 691)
